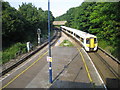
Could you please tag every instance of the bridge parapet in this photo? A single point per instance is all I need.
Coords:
(59, 22)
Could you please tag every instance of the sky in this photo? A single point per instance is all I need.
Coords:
(58, 7)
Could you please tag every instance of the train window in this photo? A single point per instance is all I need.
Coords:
(95, 40)
(82, 39)
(87, 41)
(74, 34)
(77, 36)
(64, 29)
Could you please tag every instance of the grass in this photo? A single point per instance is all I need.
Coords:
(103, 44)
(12, 52)
(15, 50)
(66, 43)
(115, 51)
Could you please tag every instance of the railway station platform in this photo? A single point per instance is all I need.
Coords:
(69, 71)
(71, 68)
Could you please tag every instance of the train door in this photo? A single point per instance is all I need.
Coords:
(92, 43)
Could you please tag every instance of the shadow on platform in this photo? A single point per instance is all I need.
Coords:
(112, 83)
(71, 85)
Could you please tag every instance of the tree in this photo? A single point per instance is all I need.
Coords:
(101, 19)
(11, 24)
(21, 25)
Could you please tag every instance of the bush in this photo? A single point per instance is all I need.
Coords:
(102, 43)
(113, 50)
(66, 43)
(13, 52)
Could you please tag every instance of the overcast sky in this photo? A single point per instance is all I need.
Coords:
(58, 7)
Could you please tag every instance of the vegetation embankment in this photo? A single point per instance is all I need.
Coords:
(99, 18)
(20, 26)
(13, 52)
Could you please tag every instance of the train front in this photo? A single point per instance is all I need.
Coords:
(91, 44)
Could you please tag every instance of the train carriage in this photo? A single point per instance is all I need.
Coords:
(88, 41)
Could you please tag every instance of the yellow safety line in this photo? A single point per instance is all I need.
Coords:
(24, 70)
(88, 73)
(89, 76)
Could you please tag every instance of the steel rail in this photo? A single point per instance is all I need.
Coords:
(107, 65)
(109, 55)
(115, 59)
(29, 55)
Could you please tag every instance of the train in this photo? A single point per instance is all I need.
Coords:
(88, 41)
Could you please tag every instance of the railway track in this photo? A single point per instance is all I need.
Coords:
(107, 67)
(55, 37)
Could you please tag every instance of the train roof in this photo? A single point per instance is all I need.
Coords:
(79, 33)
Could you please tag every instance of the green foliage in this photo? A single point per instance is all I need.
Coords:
(21, 26)
(0, 57)
(66, 43)
(13, 51)
(101, 19)
(103, 44)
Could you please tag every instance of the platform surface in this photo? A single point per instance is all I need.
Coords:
(68, 68)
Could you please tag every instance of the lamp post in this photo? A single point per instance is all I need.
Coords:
(38, 32)
(50, 58)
